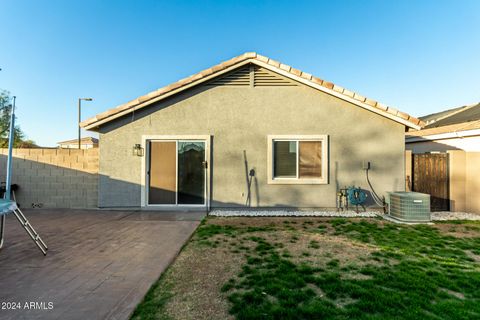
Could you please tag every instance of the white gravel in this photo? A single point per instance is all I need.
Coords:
(448, 215)
(436, 216)
(291, 213)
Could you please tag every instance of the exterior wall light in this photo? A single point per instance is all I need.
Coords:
(138, 150)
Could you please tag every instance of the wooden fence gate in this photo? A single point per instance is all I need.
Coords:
(430, 175)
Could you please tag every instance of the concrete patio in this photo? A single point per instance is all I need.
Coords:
(99, 265)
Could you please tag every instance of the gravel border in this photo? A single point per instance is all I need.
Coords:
(436, 216)
(449, 215)
(291, 213)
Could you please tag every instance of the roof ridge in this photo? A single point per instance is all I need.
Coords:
(306, 78)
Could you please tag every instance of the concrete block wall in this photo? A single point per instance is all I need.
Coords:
(54, 178)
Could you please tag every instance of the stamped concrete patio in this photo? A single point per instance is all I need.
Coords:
(99, 265)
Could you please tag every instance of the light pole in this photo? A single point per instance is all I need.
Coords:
(80, 119)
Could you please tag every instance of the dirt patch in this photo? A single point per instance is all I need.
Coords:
(319, 250)
(196, 278)
(459, 230)
(307, 240)
(279, 222)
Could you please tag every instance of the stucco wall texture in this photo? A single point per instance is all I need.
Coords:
(239, 119)
(464, 170)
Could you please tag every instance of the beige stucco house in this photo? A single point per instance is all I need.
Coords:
(250, 131)
(455, 134)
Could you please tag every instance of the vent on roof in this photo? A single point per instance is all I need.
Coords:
(253, 76)
(265, 78)
(239, 77)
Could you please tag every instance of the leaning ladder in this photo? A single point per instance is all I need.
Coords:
(25, 224)
(31, 232)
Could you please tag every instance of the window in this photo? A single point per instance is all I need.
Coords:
(298, 159)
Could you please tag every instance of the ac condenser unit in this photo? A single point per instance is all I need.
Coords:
(409, 206)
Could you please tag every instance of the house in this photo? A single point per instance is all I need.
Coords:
(454, 129)
(85, 143)
(250, 131)
(443, 158)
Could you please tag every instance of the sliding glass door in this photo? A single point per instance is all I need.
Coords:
(191, 172)
(177, 172)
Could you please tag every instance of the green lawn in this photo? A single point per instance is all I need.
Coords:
(319, 268)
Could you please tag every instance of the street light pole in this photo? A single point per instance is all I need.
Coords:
(80, 119)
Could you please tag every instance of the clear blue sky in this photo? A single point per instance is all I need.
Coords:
(418, 56)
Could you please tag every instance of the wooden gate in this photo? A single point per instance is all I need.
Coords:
(430, 175)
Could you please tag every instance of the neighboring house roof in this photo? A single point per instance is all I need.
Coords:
(449, 123)
(445, 129)
(262, 61)
(86, 140)
(463, 114)
(431, 118)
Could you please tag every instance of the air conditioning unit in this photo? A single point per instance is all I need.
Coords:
(409, 206)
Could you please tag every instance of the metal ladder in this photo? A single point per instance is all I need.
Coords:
(26, 225)
(31, 232)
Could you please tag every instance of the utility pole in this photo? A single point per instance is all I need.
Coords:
(80, 119)
(11, 137)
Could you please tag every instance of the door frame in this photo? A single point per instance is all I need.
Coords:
(145, 165)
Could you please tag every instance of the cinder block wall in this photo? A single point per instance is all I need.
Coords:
(54, 178)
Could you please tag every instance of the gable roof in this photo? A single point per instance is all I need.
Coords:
(262, 61)
(461, 115)
(458, 129)
(462, 119)
(431, 118)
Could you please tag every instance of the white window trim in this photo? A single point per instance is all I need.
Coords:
(325, 147)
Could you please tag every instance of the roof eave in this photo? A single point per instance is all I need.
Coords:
(337, 91)
(94, 123)
(443, 136)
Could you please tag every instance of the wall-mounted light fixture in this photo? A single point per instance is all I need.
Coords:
(138, 150)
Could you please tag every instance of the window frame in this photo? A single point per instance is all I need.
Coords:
(323, 138)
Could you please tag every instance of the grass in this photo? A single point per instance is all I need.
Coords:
(317, 268)
(154, 302)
